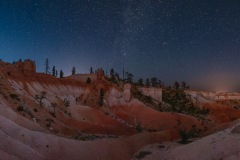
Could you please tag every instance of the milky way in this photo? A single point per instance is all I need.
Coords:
(170, 39)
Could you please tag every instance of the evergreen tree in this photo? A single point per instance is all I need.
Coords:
(73, 70)
(91, 70)
(159, 83)
(147, 83)
(117, 76)
(140, 82)
(184, 86)
(101, 97)
(123, 72)
(61, 74)
(112, 76)
(154, 81)
(54, 71)
(176, 85)
(129, 77)
(112, 72)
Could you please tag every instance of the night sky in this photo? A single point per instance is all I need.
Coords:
(197, 41)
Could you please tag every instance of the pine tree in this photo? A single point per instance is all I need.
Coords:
(159, 83)
(184, 86)
(112, 76)
(91, 70)
(112, 72)
(101, 97)
(129, 77)
(54, 71)
(117, 76)
(61, 74)
(147, 83)
(140, 82)
(154, 81)
(176, 85)
(73, 70)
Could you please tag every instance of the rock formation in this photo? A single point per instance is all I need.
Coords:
(16, 69)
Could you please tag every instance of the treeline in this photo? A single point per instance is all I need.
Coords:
(127, 77)
(115, 77)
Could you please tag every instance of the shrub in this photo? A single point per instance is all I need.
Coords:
(138, 128)
(20, 108)
(142, 154)
(88, 80)
(185, 135)
(14, 96)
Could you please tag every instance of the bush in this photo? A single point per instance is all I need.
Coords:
(20, 108)
(138, 128)
(88, 80)
(14, 96)
(185, 136)
(142, 154)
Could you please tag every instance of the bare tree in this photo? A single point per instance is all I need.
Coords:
(54, 105)
(47, 66)
(41, 97)
(66, 102)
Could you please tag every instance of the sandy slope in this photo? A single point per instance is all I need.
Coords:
(20, 142)
(220, 145)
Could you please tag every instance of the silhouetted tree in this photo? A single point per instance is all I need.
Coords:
(117, 76)
(20, 60)
(176, 85)
(184, 86)
(54, 71)
(61, 74)
(112, 72)
(91, 70)
(123, 72)
(140, 82)
(159, 83)
(73, 70)
(147, 83)
(101, 97)
(47, 66)
(154, 81)
(112, 76)
(129, 77)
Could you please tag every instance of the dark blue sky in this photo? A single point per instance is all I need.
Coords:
(197, 41)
